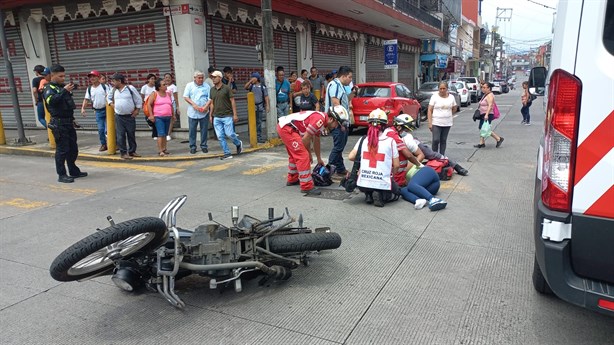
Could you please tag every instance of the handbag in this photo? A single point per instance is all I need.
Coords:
(351, 181)
(476, 115)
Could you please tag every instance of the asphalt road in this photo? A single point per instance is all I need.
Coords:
(402, 276)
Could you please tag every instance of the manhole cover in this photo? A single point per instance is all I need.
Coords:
(332, 194)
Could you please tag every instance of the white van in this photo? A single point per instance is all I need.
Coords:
(574, 186)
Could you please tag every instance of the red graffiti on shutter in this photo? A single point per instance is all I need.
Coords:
(329, 48)
(12, 49)
(5, 88)
(242, 36)
(111, 37)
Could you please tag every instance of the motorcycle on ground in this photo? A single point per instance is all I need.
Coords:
(154, 253)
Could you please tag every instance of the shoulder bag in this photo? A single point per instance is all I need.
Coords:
(350, 182)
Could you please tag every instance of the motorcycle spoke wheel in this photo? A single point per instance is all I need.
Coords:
(98, 252)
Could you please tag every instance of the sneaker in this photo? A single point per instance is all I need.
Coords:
(522, 122)
(126, 156)
(527, 123)
(499, 142)
(168, 138)
(134, 154)
(479, 146)
(192, 151)
(225, 157)
(295, 183)
(460, 170)
(437, 204)
(155, 138)
(239, 147)
(205, 150)
(420, 203)
(103, 148)
(378, 200)
(312, 191)
(66, 179)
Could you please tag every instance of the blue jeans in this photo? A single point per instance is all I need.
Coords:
(204, 128)
(340, 139)
(224, 127)
(40, 113)
(423, 185)
(101, 123)
(282, 109)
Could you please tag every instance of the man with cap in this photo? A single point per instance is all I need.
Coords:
(224, 111)
(96, 95)
(60, 104)
(298, 131)
(38, 99)
(127, 103)
(261, 98)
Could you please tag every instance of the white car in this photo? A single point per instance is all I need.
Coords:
(463, 92)
(496, 88)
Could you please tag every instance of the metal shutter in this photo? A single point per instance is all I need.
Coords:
(375, 64)
(407, 70)
(134, 44)
(234, 44)
(22, 83)
(330, 53)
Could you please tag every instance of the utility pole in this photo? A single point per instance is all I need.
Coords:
(505, 14)
(22, 140)
(268, 56)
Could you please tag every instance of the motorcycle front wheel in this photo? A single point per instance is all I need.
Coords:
(97, 253)
(304, 242)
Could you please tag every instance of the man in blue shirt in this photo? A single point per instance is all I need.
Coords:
(196, 94)
(336, 95)
(282, 88)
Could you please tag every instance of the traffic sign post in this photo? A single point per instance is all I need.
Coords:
(391, 56)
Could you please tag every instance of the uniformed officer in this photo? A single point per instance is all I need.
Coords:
(60, 104)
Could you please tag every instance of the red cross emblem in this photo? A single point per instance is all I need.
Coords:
(373, 159)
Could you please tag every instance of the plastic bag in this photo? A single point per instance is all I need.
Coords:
(485, 131)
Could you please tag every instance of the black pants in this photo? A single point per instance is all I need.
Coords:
(66, 149)
(125, 126)
(440, 139)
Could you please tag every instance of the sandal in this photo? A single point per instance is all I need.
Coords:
(166, 152)
(162, 154)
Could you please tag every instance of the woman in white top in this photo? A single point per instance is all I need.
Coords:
(146, 90)
(172, 88)
(379, 160)
(441, 107)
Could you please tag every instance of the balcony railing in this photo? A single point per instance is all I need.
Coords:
(406, 7)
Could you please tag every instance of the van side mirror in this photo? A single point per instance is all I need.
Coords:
(537, 81)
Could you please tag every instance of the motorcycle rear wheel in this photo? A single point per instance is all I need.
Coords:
(91, 255)
(304, 242)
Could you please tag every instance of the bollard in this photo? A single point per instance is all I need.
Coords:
(251, 119)
(49, 132)
(111, 141)
(2, 136)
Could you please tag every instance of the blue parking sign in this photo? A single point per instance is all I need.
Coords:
(391, 57)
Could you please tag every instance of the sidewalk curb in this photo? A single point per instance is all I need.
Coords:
(45, 152)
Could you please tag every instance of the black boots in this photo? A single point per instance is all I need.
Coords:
(460, 170)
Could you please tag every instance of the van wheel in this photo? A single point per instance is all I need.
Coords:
(539, 282)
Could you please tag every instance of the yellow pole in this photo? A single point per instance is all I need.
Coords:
(111, 142)
(49, 133)
(2, 136)
(251, 119)
(317, 94)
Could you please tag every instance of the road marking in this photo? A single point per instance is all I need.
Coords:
(218, 167)
(454, 187)
(184, 164)
(265, 168)
(66, 189)
(23, 203)
(128, 166)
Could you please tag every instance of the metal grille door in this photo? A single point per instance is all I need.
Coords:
(134, 44)
(330, 53)
(234, 44)
(375, 64)
(407, 70)
(22, 83)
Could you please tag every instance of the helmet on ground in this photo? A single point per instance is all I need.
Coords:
(378, 116)
(339, 113)
(404, 121)
(321, 175)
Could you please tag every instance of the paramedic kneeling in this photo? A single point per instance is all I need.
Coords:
(297, 131)
(379, 161)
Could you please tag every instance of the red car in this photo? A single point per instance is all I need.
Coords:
(395, 98)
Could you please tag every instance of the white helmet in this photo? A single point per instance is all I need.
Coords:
(339, 113)
(378, 116)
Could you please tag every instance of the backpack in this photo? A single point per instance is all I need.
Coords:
(89, 92)
(148, 111)
(442, 168)
(129, 89)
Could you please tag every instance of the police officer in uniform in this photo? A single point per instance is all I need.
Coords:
(60, 104)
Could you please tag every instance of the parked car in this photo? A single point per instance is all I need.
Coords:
(426, 90)
(463, 92)
(497, 87)
(473, 84)
(394, 98)
(503, 87)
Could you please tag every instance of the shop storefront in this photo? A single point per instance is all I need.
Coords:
(433, 67)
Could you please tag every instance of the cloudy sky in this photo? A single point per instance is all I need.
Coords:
(530, 25)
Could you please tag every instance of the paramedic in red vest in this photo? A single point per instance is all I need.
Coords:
(406, 153)
(379, 160)
(298, 131)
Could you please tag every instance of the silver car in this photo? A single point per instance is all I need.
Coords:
(426, 90)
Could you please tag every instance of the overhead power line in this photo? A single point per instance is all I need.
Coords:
(546, 6)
